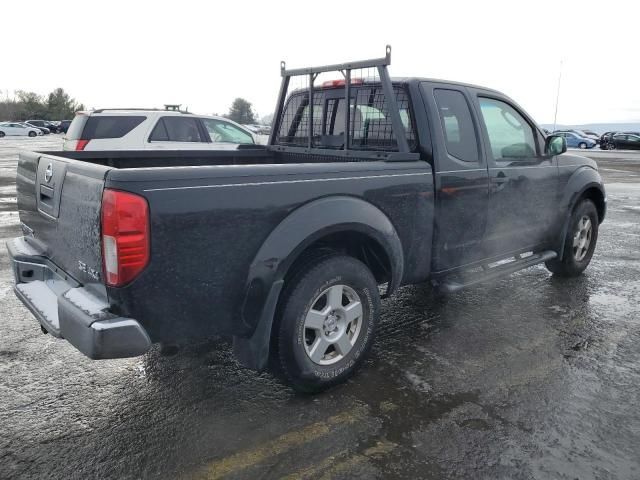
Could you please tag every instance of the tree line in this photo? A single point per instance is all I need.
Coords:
(58, 105)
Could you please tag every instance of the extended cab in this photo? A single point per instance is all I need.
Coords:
(286, 248)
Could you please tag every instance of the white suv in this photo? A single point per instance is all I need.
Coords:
(131, 129)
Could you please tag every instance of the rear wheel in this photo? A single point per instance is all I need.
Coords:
(1, 134)
(579, 243)
(32, 134)
(327, 317)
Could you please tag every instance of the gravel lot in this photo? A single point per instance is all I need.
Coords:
(529, 377)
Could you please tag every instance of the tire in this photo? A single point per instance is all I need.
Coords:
(582, 145)
(327, 317)
(33, 134)
(583, 231)
(611, 146)
(1, 134)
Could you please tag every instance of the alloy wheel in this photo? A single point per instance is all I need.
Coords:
(582, 238)
(333, 324)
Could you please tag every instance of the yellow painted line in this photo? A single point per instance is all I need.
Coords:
(380, 449)
(331, 465)
(313, 469)
(277, 446)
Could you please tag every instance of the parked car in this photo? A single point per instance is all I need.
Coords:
(18, 129)
(153, 130)
(265, 130)
(252, 128)
(289, 245)
(44, 130)
(43, 124)
(604, 139)
(624, 141)
(64, 126)
(588, 134)
(576, 141)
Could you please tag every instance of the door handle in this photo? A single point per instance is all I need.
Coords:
(500, 178)
(498, 182)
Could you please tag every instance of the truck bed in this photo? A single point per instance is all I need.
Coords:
(216, 221)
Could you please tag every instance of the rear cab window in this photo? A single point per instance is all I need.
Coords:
(371, 125)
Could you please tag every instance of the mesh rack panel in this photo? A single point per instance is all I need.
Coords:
(313, 111)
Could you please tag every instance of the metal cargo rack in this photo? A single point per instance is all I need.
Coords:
(380, 65)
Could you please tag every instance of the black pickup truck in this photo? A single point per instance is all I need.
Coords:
(288, 248)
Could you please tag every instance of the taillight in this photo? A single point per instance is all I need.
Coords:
(81, 144)
(125, 236)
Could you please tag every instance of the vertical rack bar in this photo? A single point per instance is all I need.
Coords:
(310, 116)
(275, 124)
(398, 128)
(347, 109)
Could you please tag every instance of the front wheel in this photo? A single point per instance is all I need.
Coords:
(1, 134)
(327, 318)
(32, 134)
(582, 145)
(579, 243)
(611, 146)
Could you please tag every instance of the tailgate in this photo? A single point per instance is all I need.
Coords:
(59, 201)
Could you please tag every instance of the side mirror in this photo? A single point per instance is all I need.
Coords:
(555, 145)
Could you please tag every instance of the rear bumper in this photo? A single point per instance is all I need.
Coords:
(68, 310)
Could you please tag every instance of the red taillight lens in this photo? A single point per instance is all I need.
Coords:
(125, 236)
(81, 144)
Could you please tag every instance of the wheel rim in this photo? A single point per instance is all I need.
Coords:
(611, 146)
(583, 145)
(333, 324)
(582, 238)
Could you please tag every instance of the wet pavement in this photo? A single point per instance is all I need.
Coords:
(529, 377)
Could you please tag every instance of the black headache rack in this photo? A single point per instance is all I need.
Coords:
(307, 120)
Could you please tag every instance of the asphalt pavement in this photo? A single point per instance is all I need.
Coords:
(529, 377)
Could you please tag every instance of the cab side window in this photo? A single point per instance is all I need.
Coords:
(510, 135)
(457, 124)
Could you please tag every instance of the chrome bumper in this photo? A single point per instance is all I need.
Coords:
(70, 311)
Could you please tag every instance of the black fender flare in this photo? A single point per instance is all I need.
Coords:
(292, 236)
(580, 181)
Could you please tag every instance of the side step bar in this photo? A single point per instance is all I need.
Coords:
(460, 281)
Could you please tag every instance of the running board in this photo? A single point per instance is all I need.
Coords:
(460, 281)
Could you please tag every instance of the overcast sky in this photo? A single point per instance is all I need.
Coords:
(204, 54)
